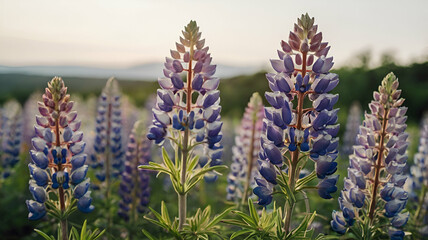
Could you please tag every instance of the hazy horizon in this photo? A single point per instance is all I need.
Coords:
(240, 33)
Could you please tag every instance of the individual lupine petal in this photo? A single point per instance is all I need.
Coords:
(40, 176)
(268, 172)
(338, 224)
(325, 166)
(40, 159)
(357, 197)
(264, 194)
(395, 234)
(36, 210)
(84, 203)
(39, 193)
(81, 189)
(400, 220)
(210, 98)
(327, 186)
(78, 161)
(79, 174)
(274, 154)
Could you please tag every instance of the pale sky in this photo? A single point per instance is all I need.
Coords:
(123, 33)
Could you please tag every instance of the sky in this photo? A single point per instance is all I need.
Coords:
(122, 33)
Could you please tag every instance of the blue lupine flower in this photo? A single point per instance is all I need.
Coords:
(419, 180)
(247, 145)
(380, 144)
(174, 112)
(301, 71)
(134, 188)
(57, 154)
(11, 136)
(108, 141)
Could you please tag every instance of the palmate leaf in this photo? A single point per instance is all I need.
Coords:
(202, 226)
(44, 235)
(197, 175)
(85, 234)
(285, 187)
(162, 220)
(253, 225)
(303, 181)
(302, 232)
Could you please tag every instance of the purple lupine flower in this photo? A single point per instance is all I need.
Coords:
(108, 143)
(175, 111)
(247, 146)
(376, 166)
(301, 71)
(134, 188)
(58, 162)
(419, 181)
(351, 130)
(11, 136)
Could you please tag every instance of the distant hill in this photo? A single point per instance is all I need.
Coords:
(149, 71)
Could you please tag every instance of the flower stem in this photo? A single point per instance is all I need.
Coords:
(107, 162)
(182, 197)
(63, 221)
(420, 205)
(378, 165)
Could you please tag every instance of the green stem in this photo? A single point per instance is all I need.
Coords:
(420, 205)
(107, 162)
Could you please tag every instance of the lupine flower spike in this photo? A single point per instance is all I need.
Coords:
(108, 159)
(351, 130)
(188, 114)
(247, 146)
(419, 173)
(134, 188)
(292, 134)
(58, 163)
(373, 191)
(11, 136)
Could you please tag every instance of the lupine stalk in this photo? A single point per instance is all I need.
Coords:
(351, 130)
(109, 154)
(134, 187)
(291, 132)
(419, 173)
(58, 162)
(185, 122)
(247, 146)
(373, 189)
(12, 136)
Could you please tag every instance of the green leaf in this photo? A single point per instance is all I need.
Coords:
(283, 182)
(44, 235)
(83, 231)
(302, 182)
(219, 217)
(148, 235)
(253, 211)
(192, 163)
(168, 161)
(165, 214)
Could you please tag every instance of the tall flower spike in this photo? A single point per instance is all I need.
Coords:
(351, 130)
(58, 162)
(188, 112)
(109, 154)
(12, 136)
(247, 146)
(419, 173)
(292, 132)
(301, 71)
(134, 188)
(374, 186)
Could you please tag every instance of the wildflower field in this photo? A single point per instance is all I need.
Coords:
(302, 151)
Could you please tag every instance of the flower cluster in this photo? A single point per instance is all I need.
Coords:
(11, 136)
(377, 164)
(420, 169)
(134, 187)
(58, 162)
(351, 130)
(301, 71)
(175, 111)
(109, 154)
(247, 146)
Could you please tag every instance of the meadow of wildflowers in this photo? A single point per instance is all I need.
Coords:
(170, 170)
